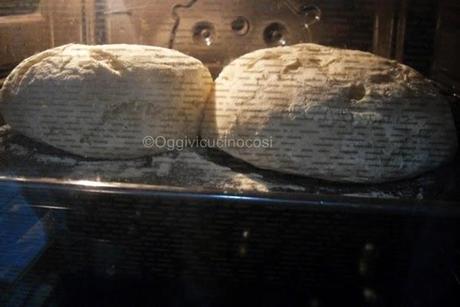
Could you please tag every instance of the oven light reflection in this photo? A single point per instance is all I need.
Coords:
(88, 183)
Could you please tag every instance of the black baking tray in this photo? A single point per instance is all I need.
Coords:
(206, 170)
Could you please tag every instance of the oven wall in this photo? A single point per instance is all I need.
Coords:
(446, 64)
(30, 26)
(420, 33)
(24, 30)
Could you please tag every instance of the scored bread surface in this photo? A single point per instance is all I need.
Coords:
(333, 114)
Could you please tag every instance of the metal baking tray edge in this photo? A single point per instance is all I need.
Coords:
(301, 201)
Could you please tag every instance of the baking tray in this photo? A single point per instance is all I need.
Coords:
(206, 170)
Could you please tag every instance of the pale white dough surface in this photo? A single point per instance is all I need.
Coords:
(101, 101)
(333, 114)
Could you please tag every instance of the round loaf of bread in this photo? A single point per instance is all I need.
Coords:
(103, 101)
(339, 115)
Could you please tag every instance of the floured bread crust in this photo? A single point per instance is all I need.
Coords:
(102, 101)
(333, 114)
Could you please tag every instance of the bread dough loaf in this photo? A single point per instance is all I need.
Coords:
(102, 101)
(340, 115)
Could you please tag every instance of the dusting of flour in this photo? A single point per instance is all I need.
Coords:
(190, 170)
(185, 169)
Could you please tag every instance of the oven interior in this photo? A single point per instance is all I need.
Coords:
(205, 229)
